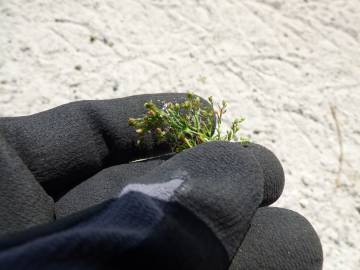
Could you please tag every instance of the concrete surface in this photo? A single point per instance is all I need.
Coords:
(292, 68)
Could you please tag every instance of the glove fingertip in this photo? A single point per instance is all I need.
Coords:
(274, 179)
(279, 239)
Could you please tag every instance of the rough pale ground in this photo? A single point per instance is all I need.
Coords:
(281, 64)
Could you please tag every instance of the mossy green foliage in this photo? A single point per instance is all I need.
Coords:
(186, 124)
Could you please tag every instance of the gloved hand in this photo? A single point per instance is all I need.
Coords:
(70, 169)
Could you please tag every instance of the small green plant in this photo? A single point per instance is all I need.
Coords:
(186, 124)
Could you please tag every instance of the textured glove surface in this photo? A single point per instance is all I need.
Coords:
(198, 209)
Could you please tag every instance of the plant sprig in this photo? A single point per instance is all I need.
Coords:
(186, 124)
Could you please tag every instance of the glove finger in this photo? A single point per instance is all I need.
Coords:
(104, 185)
(273, 172)
(109, 182)
(23, 202)
(279, 239)
(65, 145)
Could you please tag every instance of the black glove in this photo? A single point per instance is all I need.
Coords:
(198, 209)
